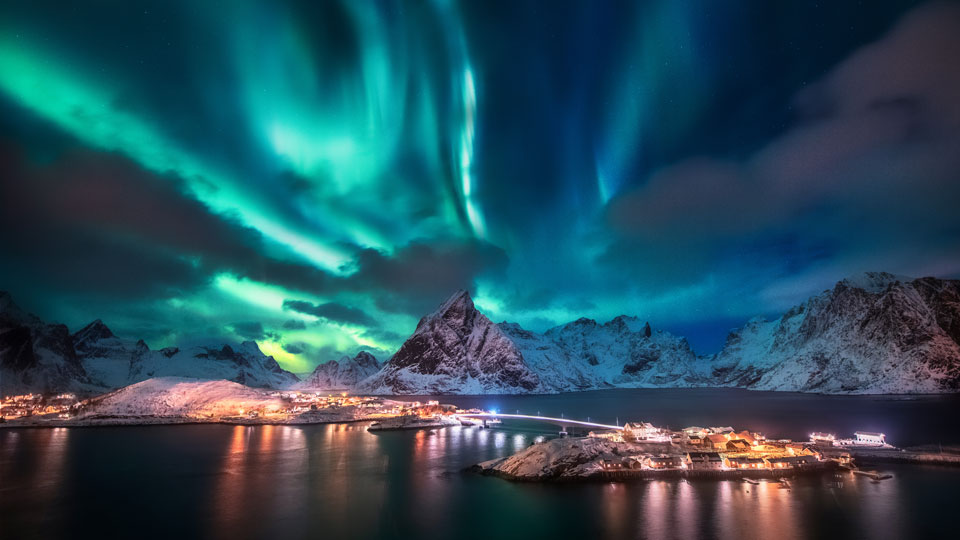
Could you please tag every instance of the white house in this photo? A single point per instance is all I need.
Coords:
(644, 431)
(867, 438)
(823, 438)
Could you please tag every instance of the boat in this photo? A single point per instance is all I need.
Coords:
(784, 483)
(874, 475)
(751, 481)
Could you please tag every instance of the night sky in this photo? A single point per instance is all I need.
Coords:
(317, 175)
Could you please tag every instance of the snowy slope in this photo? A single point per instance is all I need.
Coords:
(872, 333)
(627, 353)
(456, 350)
(40, 357)
(180, 397)
(106, 358)
(343, 374)
(244, 364)
(565, 458)
(35, 356)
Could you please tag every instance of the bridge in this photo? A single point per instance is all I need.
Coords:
(562, 422)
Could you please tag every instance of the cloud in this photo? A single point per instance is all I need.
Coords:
(869, 175)
(294, 324)
(418, 276)
(331, 311)
(293, 348)
(384, 336)
(97, 222)
(251, 330)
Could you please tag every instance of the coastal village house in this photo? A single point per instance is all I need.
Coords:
(823, 438)
(704, 461)
(612, 462)
(745, 463)
(716, 441)
(737, 445)
(786, 462)
(799, 449)
(664, 462)
(643, 431)
(867, 438)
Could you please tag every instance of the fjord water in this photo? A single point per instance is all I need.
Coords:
(340, 481)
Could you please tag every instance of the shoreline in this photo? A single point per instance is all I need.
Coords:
(672, 474)
(912, 455)
(170, 421)
(907, 396)
(594, 459)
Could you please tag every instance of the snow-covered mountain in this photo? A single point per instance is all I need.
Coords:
(875, 333)
(34, 355)
(179, 397)
(626, 352)
(343, 374)
(871, 333)
(456, 349)
(40, 357)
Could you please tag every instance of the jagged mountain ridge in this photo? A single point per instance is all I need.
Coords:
(872, 333)
(342, 374)
(39, 357)
(35, 355)
(457, 349)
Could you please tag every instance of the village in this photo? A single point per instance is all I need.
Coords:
(725, 449)
(304, 407)
(60, 406)
(633, 449)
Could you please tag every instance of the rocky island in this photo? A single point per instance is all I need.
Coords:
(642, 451)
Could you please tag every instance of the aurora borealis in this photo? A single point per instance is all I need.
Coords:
(316, 176)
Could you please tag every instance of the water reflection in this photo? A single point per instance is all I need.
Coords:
(687, 508)
(341, 481)
(261, 467)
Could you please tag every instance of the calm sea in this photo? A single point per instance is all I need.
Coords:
(340, 481)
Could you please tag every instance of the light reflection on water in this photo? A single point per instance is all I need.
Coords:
(342, 481)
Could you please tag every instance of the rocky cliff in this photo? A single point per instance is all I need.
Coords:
(40, 357)
(874, 333)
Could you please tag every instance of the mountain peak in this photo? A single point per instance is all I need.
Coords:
(874, 282)
(344, 373)
(93, 332)
(11, 310)
(457, 311)
(459, 299)
(364, 358)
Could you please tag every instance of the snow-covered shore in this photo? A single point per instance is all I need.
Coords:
(582, 459)
(178, 400)
(561, 459)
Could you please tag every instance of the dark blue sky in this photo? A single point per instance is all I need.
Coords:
(317, 175)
